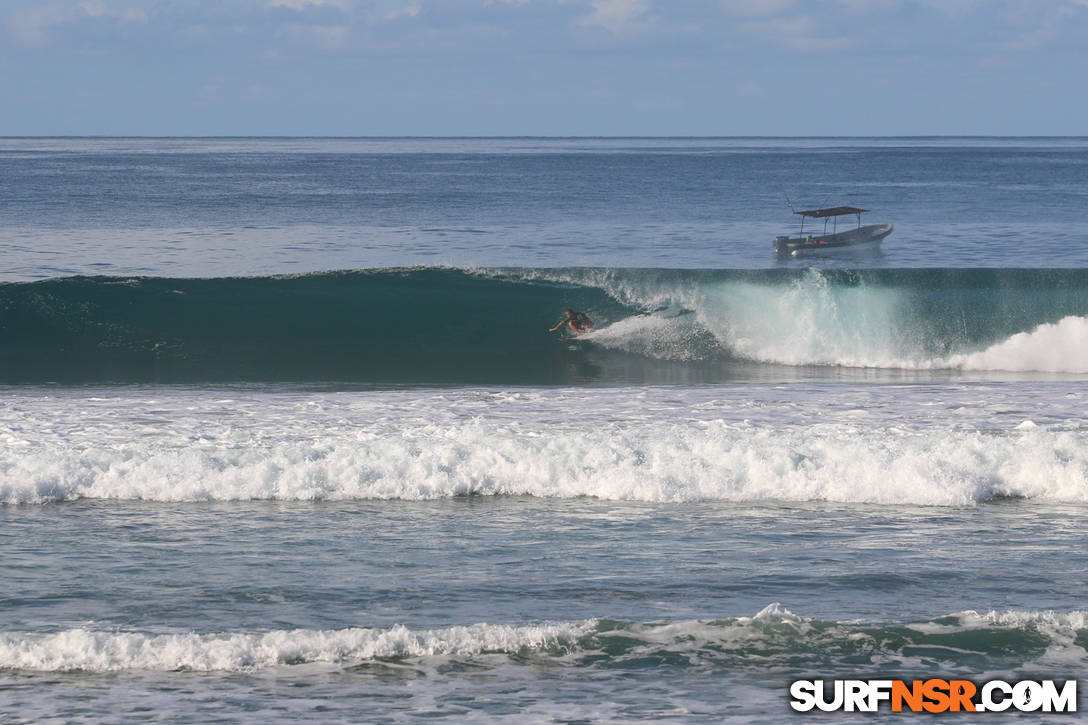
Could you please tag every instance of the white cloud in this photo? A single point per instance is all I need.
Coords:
(302, 5)
(325, 37)
(756, 8)
(620, 17)
(405, 11)
(1049, 24)
(866, 6)
(800, 33)
(31, 25)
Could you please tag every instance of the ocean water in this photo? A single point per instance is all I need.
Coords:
(283, 434)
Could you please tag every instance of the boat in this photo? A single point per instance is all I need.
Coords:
(868, 236)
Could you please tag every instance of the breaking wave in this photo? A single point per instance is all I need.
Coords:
(436, 326)
(660, 461)
(774, 640)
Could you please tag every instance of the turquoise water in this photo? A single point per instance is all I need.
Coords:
(283, 434)
(426, 326)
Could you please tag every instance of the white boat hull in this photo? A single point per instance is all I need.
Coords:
(868, 236)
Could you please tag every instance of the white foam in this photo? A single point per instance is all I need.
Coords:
(1048, 620)
(96, 651)
(914, 445)
(1061, 631)
(771, 632)
(1061, 347)
(812, 321)
(649, 462)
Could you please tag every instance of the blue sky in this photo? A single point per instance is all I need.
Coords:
(544, 67)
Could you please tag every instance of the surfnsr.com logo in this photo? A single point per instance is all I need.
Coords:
(934, 695)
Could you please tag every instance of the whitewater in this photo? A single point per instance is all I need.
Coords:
(284, 435)
(921, 444)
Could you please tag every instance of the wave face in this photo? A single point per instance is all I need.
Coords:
(775, 640)
(441, 326)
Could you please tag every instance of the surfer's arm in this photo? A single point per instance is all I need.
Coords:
(560, 324)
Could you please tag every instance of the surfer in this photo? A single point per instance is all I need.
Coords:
(578, 321)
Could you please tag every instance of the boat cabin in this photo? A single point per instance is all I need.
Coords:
(832, 214)
(833, 239)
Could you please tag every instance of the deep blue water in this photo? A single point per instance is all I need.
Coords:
(283, 434)
(205, 207)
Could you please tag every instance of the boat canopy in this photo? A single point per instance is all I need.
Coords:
(833, 211)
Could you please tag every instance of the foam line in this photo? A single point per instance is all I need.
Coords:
(773, 639)
(94, 651)
(660, 461)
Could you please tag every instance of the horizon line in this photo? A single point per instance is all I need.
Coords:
(531, 136)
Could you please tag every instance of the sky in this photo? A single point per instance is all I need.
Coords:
(543, 67)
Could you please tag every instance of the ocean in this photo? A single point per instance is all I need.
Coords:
(284, 434)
